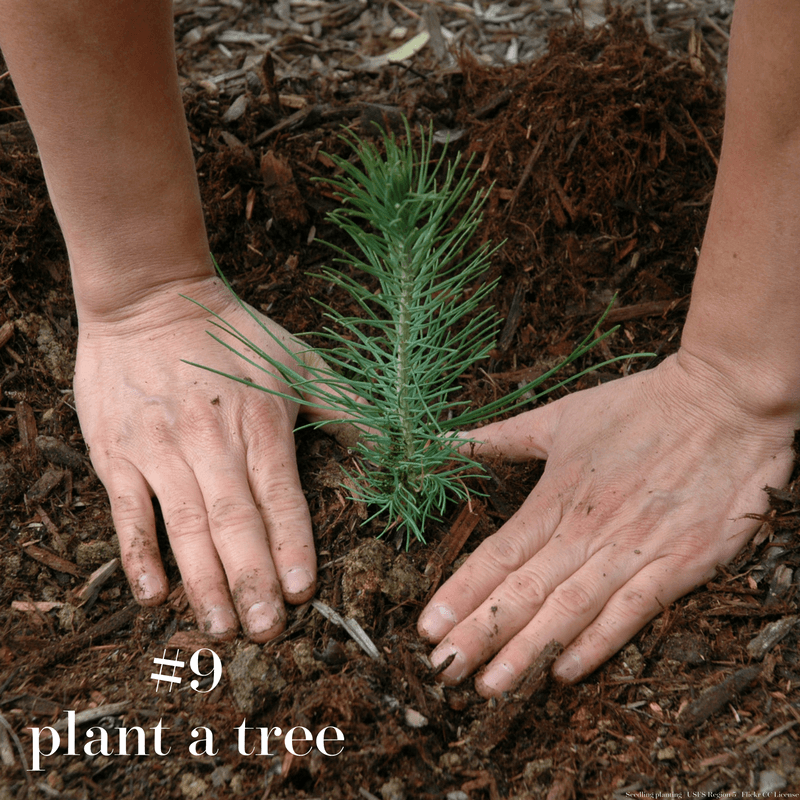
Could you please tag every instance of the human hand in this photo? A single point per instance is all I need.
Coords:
(218, 455)
(647, 484)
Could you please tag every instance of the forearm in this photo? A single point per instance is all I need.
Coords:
(98, 83)
(745, 314)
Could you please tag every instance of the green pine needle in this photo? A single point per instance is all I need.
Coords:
(418, 335)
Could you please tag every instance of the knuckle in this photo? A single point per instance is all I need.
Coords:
(635, 606)
(526, 588)
(486, 632)
(575, 600)
(506, 553)
(185, 520)
(128, 509)
(231, 513)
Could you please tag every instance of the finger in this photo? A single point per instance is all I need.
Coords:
(557, 589)
(237, 530)
(134, 521)
(339, 420)
(643, 597)
(519, 438)
(490, 564)
(275, 485)
(186, 520)
(570, 608)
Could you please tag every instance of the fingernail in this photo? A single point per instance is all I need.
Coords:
(568, 668)
(263, 617)
(498, 678)
(297, 581)
(437, 622)
(219, 621)
(455, 672)
(148, 587)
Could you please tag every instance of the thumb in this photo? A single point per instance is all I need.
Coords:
(519, 438)
(315, 409)
(311, 365)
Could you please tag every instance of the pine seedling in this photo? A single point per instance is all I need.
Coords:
(394, 370)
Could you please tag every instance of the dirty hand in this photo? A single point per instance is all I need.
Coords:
(647, 484)
(218, 455)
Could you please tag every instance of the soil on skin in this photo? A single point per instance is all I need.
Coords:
(602, 156)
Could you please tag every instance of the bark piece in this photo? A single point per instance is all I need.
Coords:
(58, 452)
(769, 636)
(717, 697)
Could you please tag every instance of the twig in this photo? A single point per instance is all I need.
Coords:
(91, 714)
(355, 631)
(702, 138)
(60, 650)
(526, 173)
(49, 559)
(406, 10)
(764, 739)
(721, 31)
(17, 742)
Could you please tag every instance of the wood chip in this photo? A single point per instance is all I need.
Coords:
(26, 424)
(42, 488)
(89, 591)
(60, 453)
(769, 636)
(6, 332)
(52, 560)
(764, 739)
(92, 714)
(352, 627)
(460, 531)
(39, 606)
(717, 697)
(500, 720)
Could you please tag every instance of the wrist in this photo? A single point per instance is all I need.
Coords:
(763, 385)
(158, 307)
(115, 273)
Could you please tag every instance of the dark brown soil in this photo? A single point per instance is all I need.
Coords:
(603, 157)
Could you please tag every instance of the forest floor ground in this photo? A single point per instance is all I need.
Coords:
(602, 140)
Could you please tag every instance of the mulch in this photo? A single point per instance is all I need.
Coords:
(601, 155)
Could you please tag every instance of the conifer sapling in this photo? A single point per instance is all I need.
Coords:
(395, 368)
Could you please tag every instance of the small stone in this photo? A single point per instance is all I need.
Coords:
(632, 659)
(533, 769)
(192, 786)
(303, 654)
(770, 781)
(71, 618)
(237, 109)
(666, 754)
(449, 760)
(414, 719)
(220, 776)
(457, 795)
(393, 790)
